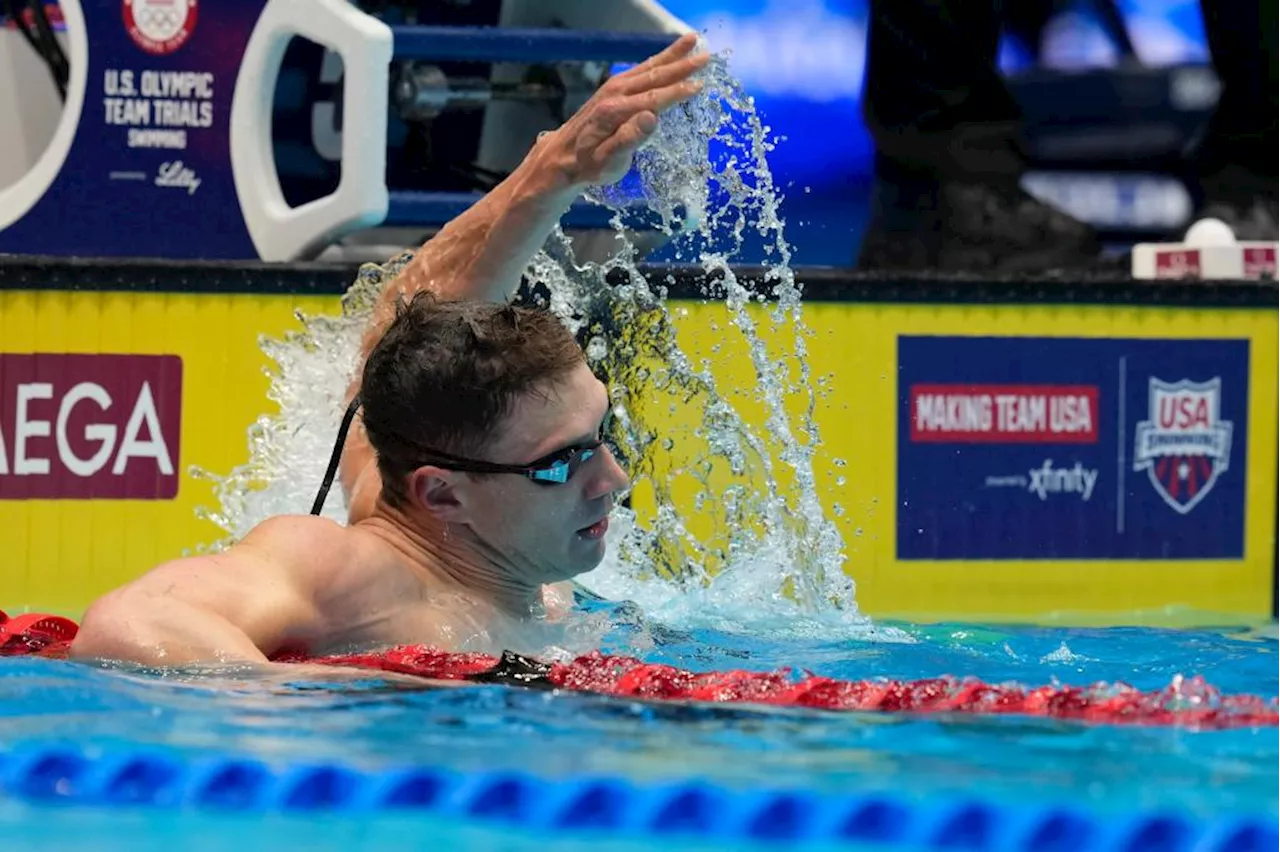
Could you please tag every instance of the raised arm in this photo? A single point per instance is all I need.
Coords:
(483, 253)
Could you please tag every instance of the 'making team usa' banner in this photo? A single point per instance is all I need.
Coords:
(1060, 448)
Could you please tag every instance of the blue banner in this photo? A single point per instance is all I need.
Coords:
(1061, 448)
(148, 172)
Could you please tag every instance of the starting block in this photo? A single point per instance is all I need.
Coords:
(1209, 251)
(164, 147)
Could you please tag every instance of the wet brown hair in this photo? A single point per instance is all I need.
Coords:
(445, 375)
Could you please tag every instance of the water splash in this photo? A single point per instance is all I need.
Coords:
(726, 522)
(1063, 654)
(754, 488)
(310, 371)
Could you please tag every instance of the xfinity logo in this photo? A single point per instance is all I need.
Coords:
(1047, 479)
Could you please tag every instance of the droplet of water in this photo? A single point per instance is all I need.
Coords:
(596, 349)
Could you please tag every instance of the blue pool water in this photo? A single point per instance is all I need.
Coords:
(371, 725)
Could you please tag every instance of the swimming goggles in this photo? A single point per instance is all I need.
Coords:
(552, 469)
(555, 468)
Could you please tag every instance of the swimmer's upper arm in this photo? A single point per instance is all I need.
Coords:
(245, 604)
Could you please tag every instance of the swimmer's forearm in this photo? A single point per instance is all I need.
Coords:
(483, 253)
(325, 672)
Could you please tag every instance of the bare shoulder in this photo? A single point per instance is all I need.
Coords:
(336, 567)
(285, 530)
(301, 544)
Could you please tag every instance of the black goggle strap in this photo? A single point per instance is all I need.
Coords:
(336, 457)
(430, 456)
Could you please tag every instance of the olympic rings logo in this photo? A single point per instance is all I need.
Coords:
(160, 27)
(151, 18)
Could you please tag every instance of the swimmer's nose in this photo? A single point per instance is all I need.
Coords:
(611, 479)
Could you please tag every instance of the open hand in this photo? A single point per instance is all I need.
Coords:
(595, 145)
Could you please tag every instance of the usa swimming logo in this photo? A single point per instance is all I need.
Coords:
(1185, 445)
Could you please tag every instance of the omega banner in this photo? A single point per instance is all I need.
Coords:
(90, 426)
(108, 400)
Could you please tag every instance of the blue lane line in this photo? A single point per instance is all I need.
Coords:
(43, 773)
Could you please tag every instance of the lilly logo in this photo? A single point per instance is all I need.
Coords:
(177, 175)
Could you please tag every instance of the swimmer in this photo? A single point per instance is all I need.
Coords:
(478, 480)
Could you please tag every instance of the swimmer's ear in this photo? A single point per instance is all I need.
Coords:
(435, 490)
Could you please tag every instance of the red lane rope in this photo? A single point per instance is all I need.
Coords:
(1189, 702)
(34, 633)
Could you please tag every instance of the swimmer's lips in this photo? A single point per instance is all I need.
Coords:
(596, 530)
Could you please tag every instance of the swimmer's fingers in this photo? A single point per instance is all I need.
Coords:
(595, 145)
(615, 112)
(628, 137)
(659, 101)
(677, 49)
(661, 76)
(653, 89)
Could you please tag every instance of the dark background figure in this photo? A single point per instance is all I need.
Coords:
(950, 153)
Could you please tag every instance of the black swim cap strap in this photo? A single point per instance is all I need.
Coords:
(337, 455)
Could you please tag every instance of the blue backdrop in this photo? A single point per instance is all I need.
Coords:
(1069, 448)
(803, 62)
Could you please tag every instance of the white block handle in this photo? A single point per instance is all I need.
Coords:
(280, 232)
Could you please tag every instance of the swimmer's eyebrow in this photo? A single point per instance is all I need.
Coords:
(587, 439)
